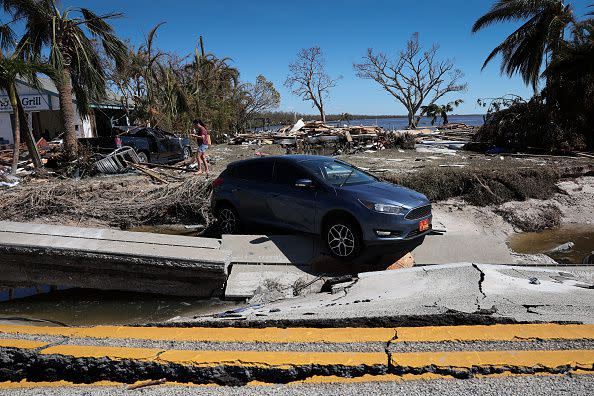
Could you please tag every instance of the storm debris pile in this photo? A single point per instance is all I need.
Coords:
(117, 202)
(306, 135)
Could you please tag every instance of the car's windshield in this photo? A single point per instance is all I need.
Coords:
(338, 173)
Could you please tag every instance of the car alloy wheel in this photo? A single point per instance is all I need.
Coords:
(142, 157)
(341, 240)
(227, 221)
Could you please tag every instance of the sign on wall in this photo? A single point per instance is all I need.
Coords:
(30, 103)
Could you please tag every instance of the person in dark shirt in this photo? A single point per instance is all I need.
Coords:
(202, 139)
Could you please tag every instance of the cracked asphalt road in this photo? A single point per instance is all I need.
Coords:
(304, 358)
(562, 385)
(425, 330)
(494, 292)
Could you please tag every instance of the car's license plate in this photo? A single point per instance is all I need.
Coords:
(424, 225)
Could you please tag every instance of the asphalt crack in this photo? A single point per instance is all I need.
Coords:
(481, 280)
(529, 308)
(63, 340)
(387, 349)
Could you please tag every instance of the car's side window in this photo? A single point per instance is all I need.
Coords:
(260, 171)
(287, 174)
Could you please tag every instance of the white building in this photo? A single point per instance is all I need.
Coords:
(43, 112)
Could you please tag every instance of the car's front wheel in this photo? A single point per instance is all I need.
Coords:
(343, 238)
(227, 219)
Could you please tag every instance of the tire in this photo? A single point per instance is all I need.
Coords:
(187, 152)
(143, 156)
(343, 238)
(227, 219)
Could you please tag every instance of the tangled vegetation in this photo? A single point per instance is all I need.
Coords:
(120, 203)
(482, 187)
(559, 118)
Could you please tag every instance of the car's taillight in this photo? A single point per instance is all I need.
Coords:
(217, 182)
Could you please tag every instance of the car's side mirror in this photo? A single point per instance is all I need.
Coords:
(304, 183)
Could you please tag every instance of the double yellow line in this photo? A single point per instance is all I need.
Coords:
(577, 361)
(319, 335)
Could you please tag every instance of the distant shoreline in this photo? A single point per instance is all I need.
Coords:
(339, 117)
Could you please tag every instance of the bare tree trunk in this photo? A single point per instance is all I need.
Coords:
(322, 113)
(16, 129)
(67, 113)
(28, 134)
(411, 120)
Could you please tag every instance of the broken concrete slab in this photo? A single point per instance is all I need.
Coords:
(244, 280)
(48, 255)
(491, 292)
(108, 235)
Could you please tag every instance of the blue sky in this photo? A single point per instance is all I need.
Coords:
(264, 36)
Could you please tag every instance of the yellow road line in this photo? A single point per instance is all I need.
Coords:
(311, 380)
(23, 344)
(102, 351)
(330, 335)
(218, 358)
(583, 359)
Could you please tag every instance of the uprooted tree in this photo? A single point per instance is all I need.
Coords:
(415, 77)
(308, 78)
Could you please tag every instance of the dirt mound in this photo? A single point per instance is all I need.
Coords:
(482, 187)
(531, 215)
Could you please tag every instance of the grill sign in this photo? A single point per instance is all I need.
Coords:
(29, 102)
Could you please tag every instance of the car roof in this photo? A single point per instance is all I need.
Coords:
(288, 157)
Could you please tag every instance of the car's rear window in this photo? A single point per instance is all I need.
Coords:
(260, 171)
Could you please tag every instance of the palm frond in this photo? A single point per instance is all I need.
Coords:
(512, 10)
(7, 37)
(524, 50)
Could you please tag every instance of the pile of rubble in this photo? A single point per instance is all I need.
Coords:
(25, 164)
(311, 134)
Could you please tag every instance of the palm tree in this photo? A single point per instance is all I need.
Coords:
(11, 69)
(538, 39)
(69, 35)
(576, 57)
(434, 111)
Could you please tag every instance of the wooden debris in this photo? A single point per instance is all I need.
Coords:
(181, 168)
(144, 384)
(148, 172)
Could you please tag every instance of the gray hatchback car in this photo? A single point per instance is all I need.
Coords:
(348, 207)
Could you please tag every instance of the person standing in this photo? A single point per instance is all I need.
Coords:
(203, 140)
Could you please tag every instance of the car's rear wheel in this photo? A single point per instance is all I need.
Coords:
(143, 156)
(187, 152)
(343, 238)
(228, 219)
